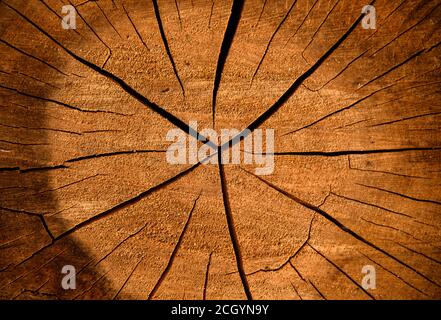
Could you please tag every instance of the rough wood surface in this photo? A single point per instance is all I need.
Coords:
(84, 181)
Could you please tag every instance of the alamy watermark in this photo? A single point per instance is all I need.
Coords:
(69, 21)
(370, 19)
(69, 280)
(185, 149)
(369, 281)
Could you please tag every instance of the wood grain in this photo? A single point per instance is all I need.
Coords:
(84, 179)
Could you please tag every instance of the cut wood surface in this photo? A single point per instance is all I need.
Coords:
(84, 180)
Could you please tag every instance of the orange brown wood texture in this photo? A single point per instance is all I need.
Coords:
(84, 180)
